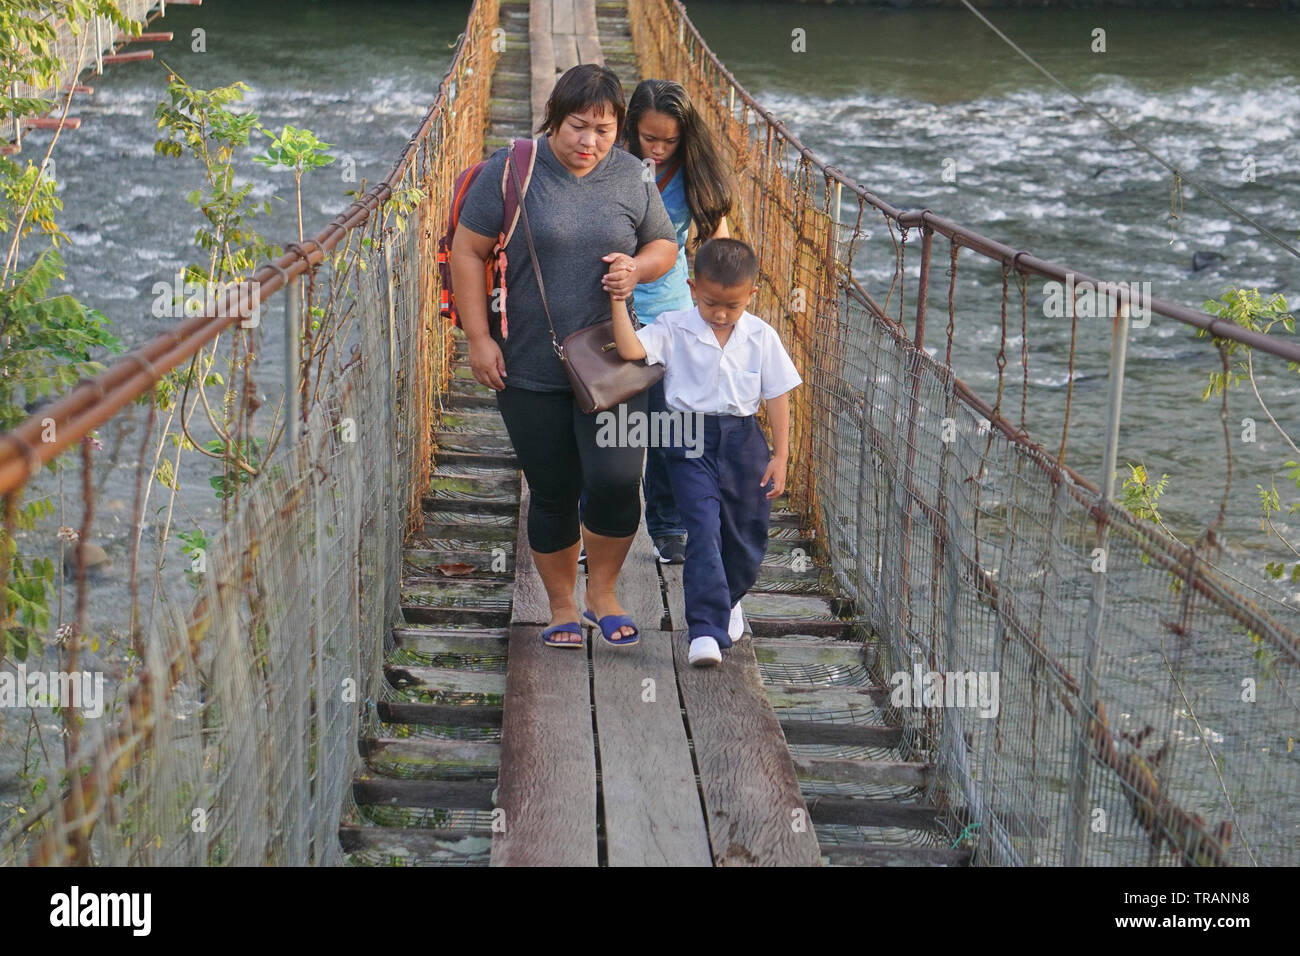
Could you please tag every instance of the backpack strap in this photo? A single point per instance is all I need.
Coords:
(523, 154)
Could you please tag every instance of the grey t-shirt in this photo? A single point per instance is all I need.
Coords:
(575, 220)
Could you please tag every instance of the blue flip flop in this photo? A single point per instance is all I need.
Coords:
(571, 627)
(610, 623)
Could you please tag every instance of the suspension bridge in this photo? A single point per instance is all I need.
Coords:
(356, 675)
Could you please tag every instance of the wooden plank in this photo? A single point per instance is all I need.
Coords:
(408, 712)
(872, 813)
(584, 17)
(413, 841)
(810, 651)
(420, 568)
(485, 643)
(474, 617)
(589, 50)
(652, 806)
(882, 772)
(566, 51)
(475, 444)
(445, 680)
(446, 594)
(541, 52)
(895, 856)
(548, 766)
(462, 400)
(531, 605)
(490, 506)
(424, 794)
(563, 16)
(437, 531)
(432, 752)
(822, 698)
(781, 627)
(755, 812)
(846, 735)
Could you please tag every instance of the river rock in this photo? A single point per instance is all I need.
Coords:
(97, 561)
(1202, 259)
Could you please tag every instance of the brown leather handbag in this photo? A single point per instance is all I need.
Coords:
(600, 378)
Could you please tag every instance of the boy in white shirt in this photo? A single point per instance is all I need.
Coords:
(719, 361)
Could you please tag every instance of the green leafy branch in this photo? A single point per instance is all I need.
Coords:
(1251, 310)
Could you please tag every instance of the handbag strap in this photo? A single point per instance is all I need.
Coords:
(537, 269)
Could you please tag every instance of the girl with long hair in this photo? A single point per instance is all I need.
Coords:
(665, 132)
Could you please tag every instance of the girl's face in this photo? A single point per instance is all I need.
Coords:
(659, 135)
(584, 139)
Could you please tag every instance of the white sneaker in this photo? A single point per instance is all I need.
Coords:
(705, 652)
(736, 629)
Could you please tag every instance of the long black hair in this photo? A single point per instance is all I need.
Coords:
(708, 186)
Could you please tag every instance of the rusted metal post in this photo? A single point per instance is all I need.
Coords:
(391, 326)
(1075, 850)
(914, 405)
(922, 292)
(292, 346)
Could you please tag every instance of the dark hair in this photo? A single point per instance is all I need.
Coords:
(728, 262)
(578, 90)
(708, 186)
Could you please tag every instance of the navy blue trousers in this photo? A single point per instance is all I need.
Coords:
(726, 514)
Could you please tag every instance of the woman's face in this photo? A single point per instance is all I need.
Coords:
(584, 139)
(659, 135)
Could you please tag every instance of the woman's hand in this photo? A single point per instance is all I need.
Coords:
(487, 363)
(620, 281)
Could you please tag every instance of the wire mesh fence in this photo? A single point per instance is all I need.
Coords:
(232, 738)
(1090, 691)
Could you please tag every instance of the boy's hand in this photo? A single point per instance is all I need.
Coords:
(620, 281)
(776, 474)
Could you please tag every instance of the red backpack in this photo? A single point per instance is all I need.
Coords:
(522, 153)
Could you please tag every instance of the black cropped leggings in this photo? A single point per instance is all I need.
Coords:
(556, 446)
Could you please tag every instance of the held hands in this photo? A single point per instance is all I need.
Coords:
(620, 281)
(776, 474)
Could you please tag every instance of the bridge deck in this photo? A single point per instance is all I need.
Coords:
(495, 748)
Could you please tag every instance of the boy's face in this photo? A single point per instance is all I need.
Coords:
(721, 305)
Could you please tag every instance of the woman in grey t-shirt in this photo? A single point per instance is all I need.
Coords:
(600, 227)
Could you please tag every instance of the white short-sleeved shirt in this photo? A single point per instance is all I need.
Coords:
(702, 376)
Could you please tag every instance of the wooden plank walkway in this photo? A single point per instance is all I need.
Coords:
(561, 34)
(491, 748)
